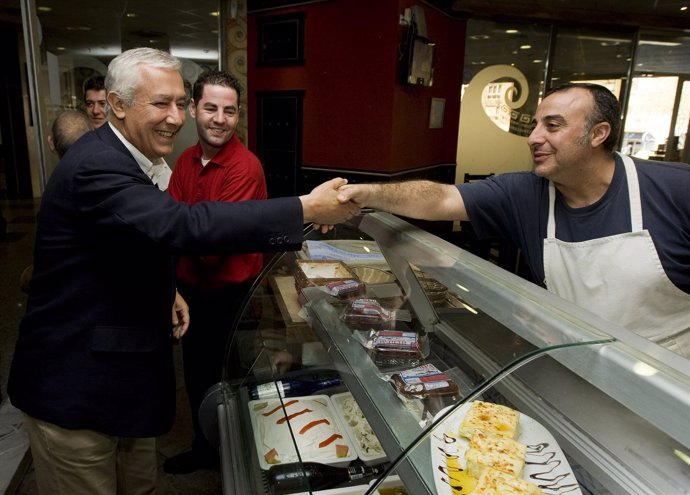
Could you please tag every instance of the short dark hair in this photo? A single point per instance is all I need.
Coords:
(605, 109)
(215, 77)
(95, 83)
(69, 126)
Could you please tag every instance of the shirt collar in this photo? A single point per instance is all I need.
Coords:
(222, 158)
(158, 170)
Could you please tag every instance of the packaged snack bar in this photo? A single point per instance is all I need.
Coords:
(424, 381)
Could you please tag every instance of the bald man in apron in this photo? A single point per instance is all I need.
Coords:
(602, 230)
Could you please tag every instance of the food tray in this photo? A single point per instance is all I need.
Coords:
(372, 275)
(269, 434)
(314, 273)
(545, 463)
(369, 459)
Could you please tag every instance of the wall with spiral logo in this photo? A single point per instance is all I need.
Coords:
(483, 146)
(236, 56)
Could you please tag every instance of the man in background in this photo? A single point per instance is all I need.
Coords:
(93, 367)
(94, 100)
(67, 127)
(218, 168)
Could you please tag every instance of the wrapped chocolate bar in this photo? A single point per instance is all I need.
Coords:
(395, 348)
(369, 313)
(344, 289)
(394, 342)
(424, 381)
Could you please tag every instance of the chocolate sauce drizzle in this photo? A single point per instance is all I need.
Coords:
(446, 472)
(538, 455)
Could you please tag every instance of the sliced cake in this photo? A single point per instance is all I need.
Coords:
(495, 482)
(490, 418)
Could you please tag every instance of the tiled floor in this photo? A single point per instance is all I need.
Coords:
(15, 254)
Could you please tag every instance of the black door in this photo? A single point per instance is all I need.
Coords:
(280, 139)
(15, 174)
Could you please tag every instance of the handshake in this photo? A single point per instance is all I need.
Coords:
(330, 203)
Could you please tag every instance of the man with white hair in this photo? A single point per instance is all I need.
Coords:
(93, 370)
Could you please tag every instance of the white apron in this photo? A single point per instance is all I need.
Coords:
(620, 277)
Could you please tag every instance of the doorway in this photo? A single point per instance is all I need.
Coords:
(279, 139)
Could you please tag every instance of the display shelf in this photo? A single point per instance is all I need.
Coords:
(615, 403)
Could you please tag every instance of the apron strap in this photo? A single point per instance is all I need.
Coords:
(551, 224)
(633, 193)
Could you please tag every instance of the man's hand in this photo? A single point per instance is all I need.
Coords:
(322, 207)
(180, 316)
(356, 193)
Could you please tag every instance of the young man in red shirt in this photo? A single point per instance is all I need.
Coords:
(218, 168)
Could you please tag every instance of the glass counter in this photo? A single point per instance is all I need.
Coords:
(381, 321)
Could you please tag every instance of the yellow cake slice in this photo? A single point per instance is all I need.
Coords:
(490, 418)
(478, 460)
(495, 482)
(495, 443)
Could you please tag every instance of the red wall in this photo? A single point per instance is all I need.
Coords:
(357, 114)
(414, 144)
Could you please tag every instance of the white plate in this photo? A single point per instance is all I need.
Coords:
(545, 464)
(281, 440)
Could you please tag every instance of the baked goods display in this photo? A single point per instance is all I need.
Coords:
(318, 433)
(489, 449)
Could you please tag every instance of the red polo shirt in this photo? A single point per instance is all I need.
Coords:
(234, 174)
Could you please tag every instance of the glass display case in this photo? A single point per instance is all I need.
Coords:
(359, 361)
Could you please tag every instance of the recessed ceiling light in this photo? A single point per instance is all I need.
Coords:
(215, 13)
(525, 47)
(684, 7)
(61, 48)
(43, 8)
(478, 37)
(131, 14)
(537, 61)
(512, 31)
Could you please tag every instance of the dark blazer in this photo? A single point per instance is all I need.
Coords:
(94, 349)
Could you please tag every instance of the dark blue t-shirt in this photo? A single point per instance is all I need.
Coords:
(515, 206)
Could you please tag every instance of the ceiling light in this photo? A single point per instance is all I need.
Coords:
(659, 43)
(537, 61)
(525, 47)
(684, 7)
(130, 14)
(42, 8)
(61, 48)
(478, 37)
(194, 54)
(215, 13)
(512, 31)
